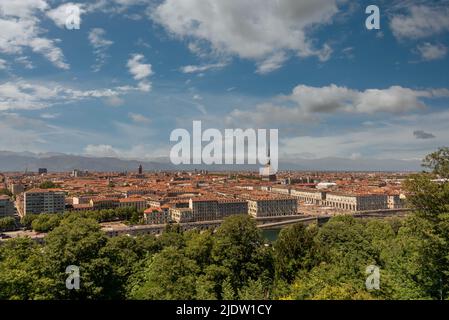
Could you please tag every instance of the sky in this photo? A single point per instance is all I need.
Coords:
(135, 70)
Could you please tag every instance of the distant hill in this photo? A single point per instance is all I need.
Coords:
(11, 161)
(20, 161)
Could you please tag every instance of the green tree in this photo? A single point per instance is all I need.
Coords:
(294, 251)
(48, 185)
(169, 275)
(78, 241)
(46, 222)
(236, 247)
(7, 223)
(438, 162)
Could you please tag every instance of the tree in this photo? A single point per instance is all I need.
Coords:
(294, 251)
(78, 241)
(46, 222)
(236, 247)
(48, 185)
(7, 223)
(438, 162)
(6, 192)
(169, 275)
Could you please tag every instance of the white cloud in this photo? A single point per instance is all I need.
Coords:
(256, 29)
(140, 151)
(25, 61)
(3, 64)
(19, 29)
(138, 118)
(420, 22)
(60, 14)
(28, 96)
(202, 68)
(50, 115)
(140, 71)
(430, 51)
(309, 102)
(100, 44)
(371, 140)
(272, 63)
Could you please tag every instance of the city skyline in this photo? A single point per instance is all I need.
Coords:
(136, 70)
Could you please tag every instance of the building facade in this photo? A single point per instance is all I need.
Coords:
(6, 207)
(272, 206)
(38, 201)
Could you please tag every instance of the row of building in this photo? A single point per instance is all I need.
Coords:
(343, 201)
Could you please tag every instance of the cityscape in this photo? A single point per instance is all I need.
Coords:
(223, 158)
(199, 199)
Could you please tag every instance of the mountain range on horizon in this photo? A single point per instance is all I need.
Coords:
(60, 162)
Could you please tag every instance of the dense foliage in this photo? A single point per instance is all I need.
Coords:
(235, 262)
(46, 222)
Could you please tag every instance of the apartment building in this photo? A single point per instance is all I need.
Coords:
(157, 216)
(6, 206)
(396, 202)
(38, 201)
(104, 203)
(204, 209)
(138, 203)
(181, 215)
(266, 206)
(356, 202)
(309, 196)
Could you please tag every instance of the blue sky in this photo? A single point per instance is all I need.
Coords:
(137, 69)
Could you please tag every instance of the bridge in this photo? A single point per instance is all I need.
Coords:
(321, 219)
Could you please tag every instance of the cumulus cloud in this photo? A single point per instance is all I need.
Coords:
(19, 29)
(430, 51)
(309, 102)
(420, 21)
(140, 71)
(60, 14)
(262, 30)
(420, 134)
(100, 44)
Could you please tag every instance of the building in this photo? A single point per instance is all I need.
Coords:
(140, 170)
(42, 171)
(78, 173)
(356, 202)
(16, 188)
(181, 215)
(157, 216)
(396, 202)
(309, 196)
(267, 206)
(204, 209)
(38, 201)
(6, 207)
(104, 203)
(138, 203)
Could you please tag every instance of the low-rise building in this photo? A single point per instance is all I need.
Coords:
(157, 216)
(104, 203)
(356, 202)
(181, 215)
(138, 203)
(268, 206)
